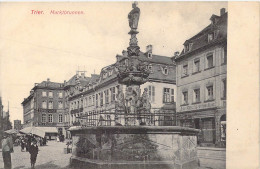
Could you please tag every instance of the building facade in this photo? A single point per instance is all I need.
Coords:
(93, 102)
(17, 125)
(45, 106)
(201, 82)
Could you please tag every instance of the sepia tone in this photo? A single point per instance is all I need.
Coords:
(143, 110)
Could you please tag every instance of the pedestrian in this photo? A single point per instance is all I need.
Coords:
(22, 144)
(33, 152)
(7, 149)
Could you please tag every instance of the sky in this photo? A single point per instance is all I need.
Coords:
(36, 47)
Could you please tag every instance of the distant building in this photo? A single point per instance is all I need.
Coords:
(92, 101)
(17, 124)
(45, 106)
(201, 82)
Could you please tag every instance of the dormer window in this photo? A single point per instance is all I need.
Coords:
(150, 55)
(104, 75)
(150, 68)
(210, 37)
(110, 73)
(190, 46)
(165, 71)
(186, 48)
(216, 32)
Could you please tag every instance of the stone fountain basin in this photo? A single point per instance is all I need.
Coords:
(134, 147)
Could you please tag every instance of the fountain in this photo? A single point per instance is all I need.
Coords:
(138, 143)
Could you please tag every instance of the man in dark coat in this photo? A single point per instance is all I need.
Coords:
(7, 149)
(33, 150)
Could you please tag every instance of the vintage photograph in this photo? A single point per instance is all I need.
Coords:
(113, 85)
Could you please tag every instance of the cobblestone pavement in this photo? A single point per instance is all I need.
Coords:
(51, 156)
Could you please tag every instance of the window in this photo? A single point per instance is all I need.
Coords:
(50, 94)
(50, 118)
(96, 100)
(216, 32)
(86, 102)
(224, 88)
(210, 93)
(81, 103)
(110, 73)
(190, 46)
(72, 106)
(224, 56)
(150, 55)
(44, 105)
(186, 48)
(165, 71)
(168, 95)
(210, 61)
(150, 68)
(44, 94)
(113, 94)
(50, 104)
(107, 96)
(185, 97)
(43, 118)
(210, 37)
(196, 95)
(93, 100)
(185, 70)
(151, 93)
(104, 75)
(101, 99)
(89, 100)
(60, 95)
(60, 118)
(196, 65)
(60, 105)
(172, 95)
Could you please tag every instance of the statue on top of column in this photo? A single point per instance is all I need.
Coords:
(133, 16)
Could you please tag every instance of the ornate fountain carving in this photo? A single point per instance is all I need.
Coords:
(133, 72)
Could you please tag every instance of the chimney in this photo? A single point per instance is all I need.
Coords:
(222, 11)
(48, 79)
(83, 75)
(149, 49)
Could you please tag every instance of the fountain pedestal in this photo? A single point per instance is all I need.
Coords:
(118, 147)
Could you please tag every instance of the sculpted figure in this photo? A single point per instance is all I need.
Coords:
(145, 101)
(133, 16)
(120, 102)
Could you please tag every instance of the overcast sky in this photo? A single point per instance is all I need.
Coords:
(36, 47)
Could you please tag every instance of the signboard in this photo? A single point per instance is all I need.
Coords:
(48, 110)
(198, 106)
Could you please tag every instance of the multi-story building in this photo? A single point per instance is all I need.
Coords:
(45, 106)
(201, 82)
(93, 102)
(17, 124)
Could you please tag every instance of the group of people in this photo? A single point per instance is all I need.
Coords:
(25, 141)
(29, 142)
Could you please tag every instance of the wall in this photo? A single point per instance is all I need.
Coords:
(214, 75)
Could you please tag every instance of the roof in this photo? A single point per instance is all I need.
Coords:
(49, 84)
(200, 40)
